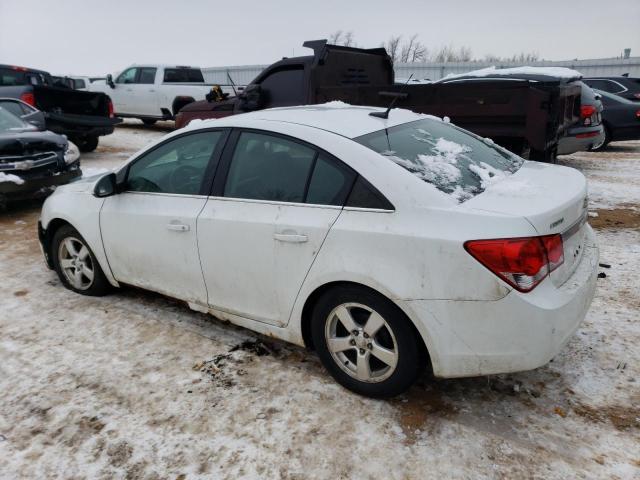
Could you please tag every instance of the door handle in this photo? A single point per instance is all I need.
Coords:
(178, 227)
(291, 238)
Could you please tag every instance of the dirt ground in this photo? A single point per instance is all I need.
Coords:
(135, 385)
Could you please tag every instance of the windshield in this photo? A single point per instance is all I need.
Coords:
(9, 122)
(455, 161)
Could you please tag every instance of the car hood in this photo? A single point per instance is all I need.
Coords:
(21, 143)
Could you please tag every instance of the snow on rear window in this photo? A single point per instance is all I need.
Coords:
(454, 161)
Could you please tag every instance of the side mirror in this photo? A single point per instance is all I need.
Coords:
(106, 186)
(251, 98)
(109, 81)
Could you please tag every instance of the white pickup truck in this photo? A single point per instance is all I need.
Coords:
(154, 92)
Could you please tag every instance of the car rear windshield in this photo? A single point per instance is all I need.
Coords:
(181, 75)
(455, 161)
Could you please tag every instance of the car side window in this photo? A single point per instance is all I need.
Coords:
(147, 75)
(79, 83)
(365, 195)
(266, 167)
(330, 182)
(177, 166)
(128, 76)
(12, 107)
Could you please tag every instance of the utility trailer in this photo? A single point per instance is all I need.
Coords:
(527, 114)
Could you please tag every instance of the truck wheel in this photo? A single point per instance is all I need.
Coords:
(149, 121)
(87, 144)
(548, 156)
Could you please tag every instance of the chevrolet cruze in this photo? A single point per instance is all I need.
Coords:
(385, 240)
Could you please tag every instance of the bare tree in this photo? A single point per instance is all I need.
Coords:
(419, 53)
(393, 48)
(335, 37)
(349, 40)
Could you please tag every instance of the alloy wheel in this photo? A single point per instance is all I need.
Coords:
(361, 342)
(76, 263)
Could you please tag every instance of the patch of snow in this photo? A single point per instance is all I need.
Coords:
(93, 172)
(560, 72)
(488, 174)
(10, 178)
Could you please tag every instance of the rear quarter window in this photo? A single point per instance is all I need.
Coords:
(453, 160)
(183, 75)
(9, 77)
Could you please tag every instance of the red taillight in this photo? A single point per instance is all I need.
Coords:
(588, 135)
(587, 110)
(29, 98)
(555, 250)
(110, 107)
(638, 114)
(521, 262)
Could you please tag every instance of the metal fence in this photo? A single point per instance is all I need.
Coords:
(244, 74)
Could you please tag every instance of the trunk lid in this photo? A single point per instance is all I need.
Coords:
(552, 198)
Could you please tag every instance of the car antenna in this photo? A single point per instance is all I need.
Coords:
(396, 96)
(233, 85)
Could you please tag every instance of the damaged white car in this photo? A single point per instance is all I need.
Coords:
(386, 241)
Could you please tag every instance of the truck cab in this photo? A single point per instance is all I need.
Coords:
(152, 92)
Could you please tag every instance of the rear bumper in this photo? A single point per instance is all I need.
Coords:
(32, 185)
(573, 142)
(518, 332)
(81, 125)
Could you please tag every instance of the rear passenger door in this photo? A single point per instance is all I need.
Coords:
(273, 203)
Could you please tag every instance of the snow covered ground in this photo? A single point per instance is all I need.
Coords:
(135, 385)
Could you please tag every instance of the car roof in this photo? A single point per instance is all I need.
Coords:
(337, 117)
(614, 97)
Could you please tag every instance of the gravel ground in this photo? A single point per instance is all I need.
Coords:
(135, 385)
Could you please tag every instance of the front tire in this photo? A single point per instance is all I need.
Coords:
(76, 265)
(366, 342)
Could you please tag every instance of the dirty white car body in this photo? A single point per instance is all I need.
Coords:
(259, 263)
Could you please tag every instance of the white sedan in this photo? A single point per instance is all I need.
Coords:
(385, 244)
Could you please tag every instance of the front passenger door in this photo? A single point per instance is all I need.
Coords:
(149, 230)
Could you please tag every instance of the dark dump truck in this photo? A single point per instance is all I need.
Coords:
(81, 116)
(527, 115)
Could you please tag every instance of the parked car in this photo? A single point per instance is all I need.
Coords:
(25, 111)
(621, 119)
(588, 132)
(153, 92)
(386, 244)
(31, 162)
(82, 116)
(527, 114)
(624, 87)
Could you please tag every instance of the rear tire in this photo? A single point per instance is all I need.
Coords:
(76, 265)
(366, 342)
(605, 142)
(86, 144)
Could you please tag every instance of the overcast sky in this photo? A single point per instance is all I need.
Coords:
(96, 37)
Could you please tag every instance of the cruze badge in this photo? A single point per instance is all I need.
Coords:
(556, 223)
